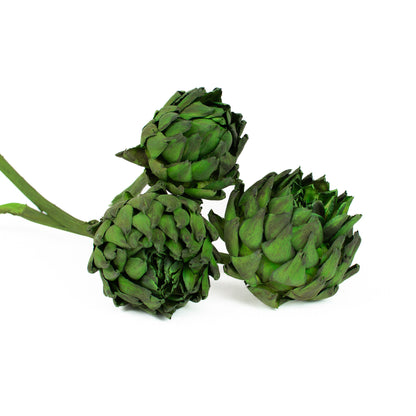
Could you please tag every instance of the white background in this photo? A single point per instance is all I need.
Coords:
(325, 85)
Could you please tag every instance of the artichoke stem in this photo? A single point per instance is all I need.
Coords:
(134, 189)
(49, 213)
(30, 214)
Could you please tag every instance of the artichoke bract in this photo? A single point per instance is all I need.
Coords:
(289, 237)
(192, 144)
(155, 253)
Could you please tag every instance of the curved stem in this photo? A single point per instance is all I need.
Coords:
(55, 214)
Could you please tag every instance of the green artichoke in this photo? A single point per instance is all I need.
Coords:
(155, 252)
(192, 144)
(289, 237)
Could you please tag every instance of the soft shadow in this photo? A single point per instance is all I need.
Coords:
(235, 290)
(131, 309)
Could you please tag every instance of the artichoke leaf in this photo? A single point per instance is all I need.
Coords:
(247, 266)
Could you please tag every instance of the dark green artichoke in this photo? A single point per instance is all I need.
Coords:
(155, 252)
(192, 144)
(289, 237)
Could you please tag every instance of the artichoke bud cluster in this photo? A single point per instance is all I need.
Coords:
(289, 237)
(192, 144)
(154, 252)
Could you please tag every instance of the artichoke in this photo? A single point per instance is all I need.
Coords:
(192, 144)
(155, 252)
(289, 237)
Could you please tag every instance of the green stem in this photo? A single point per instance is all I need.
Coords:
(134, 189)
(53, 217)
(30, 214)
(137, 186)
